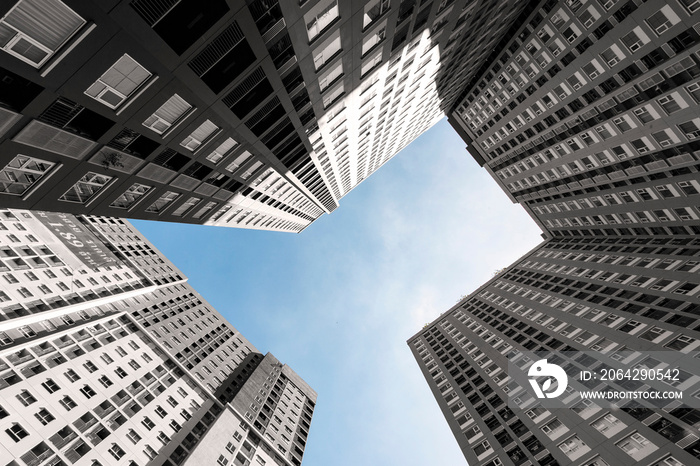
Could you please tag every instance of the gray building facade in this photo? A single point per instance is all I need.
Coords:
(258, 114)
(108, 356)
(586, 116)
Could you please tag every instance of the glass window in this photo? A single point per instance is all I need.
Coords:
(222, 150)
(200, 135)
(182, 209)
(163, 202)
(331, 76)
(33, 30)
(131, 196)
(373, 10)
(327, 50)
(89, 186)
(119, 82)
(172, 111)
(320, 17)
(22, 173)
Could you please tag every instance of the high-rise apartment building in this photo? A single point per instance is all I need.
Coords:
(612, 296)
(108, 356)
(257, 114)
(590, 112)
(587, 115)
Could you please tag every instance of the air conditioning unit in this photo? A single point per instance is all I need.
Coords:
(590, 165)
(693, 135)
(589, 23)
(666, 142)
(538, 112)
(550, 105)
(577, 86)
(627, 220)
(613, 62)
(656, 287)
(556, 52)
(644, 220)
(686, 217)
(642, 150)
(593, 75)
(634, 47)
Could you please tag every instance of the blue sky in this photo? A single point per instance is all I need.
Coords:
(338, 301)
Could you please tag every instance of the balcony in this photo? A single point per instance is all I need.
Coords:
(37, 455)
(62, 437)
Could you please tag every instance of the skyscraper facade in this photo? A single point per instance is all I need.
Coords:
(108, 356)
(590, 112)
(612, 296)
(257, 114)
(587, 117)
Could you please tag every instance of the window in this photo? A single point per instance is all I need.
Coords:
(691, 5)
(326, 51)
(222, 150)
(672, 103)
(119, 82)
(104, 380)
(663, 20)
(147, 423)
(163, 438)
(186, 206)
(331, 76)
(51, 386)
(116, 451)
(612, 55)
(72, 375)
(332, 96)
(200, 135)
(161, 412)
(26, 398)
(373, 10)
(691, 128)
(222, 461)
(22, 173)
(633, 444)
(44, 416)
(163, 202)
(170, 113)
(87, 188)
(33, 30)
(88, 391)
(370, 63)
(320, 17)
(635, 39)
(375, 38)
(133, 436)
(16, 432)
(131, 196)
(573, 446)
(67, 402)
